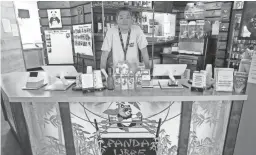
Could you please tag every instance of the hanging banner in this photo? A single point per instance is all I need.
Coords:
(59, 46)
(83, 39)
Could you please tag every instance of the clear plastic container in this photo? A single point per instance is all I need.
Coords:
(188, 13)
(192, 29)
(183, 29)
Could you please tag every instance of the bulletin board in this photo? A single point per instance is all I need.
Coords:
(59, 46)
(83, 39)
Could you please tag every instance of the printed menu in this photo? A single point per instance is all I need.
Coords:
(83, 39)
(224, 79)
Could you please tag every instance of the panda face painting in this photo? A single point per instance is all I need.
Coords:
(125, 111)
(124, 116)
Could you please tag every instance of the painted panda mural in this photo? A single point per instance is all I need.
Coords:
(124, 116)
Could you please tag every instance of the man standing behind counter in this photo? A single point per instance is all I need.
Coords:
(124, 40)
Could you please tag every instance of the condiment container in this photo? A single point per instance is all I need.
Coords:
(117, 79)
(131, 81)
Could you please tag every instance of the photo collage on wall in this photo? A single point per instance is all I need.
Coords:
(48, 42)
(83, 39)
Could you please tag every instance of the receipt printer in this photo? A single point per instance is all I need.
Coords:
(34, 80)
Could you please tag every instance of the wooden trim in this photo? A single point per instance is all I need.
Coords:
(66, 21)
(21, 127)
(53, 5)
(78, 3)
(232, 128)
(64, 13)
(185, 121)
(67, 128)
(132, 96)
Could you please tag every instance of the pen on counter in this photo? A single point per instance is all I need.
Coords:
(184, 86)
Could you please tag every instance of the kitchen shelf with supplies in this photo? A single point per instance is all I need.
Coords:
(110, 5)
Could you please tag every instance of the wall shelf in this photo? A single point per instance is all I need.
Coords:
(117, 6)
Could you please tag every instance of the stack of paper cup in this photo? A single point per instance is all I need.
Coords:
(97, 79)
(209, 70)
(89, 70)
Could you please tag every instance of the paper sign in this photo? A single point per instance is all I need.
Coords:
(83, 39)
(59, 46)
(15, 31)
(6, 25)
(224, 81)
(216, 28)
(252, 73)
(198, 80)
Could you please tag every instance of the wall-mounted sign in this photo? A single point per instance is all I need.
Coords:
(83, 39)
(80, 14)
(138, 146)
(54, 18)
(59, 46)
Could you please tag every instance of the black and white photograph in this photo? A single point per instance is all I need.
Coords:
(128, 77)
(54, 18)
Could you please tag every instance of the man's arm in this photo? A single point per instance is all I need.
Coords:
(142, 44)
(103, 60)
(106, 48)
(144, 53)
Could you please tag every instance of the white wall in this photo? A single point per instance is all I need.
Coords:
(246, 136)
(29, 28)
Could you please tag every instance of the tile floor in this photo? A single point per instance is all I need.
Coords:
(9, 145)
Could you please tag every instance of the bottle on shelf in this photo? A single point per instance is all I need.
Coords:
(231, 65)
(110, 80)
(232, 56)
(100, 26)
(107, 22)
(144, 4)
(112, 22)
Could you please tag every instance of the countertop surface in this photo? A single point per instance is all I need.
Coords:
(12, 84)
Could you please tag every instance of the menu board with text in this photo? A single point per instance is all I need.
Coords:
(83, 39)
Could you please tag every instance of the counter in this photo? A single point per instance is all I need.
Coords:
(66, 120)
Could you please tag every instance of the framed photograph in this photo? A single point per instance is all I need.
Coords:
(248, 23)
(54, 18)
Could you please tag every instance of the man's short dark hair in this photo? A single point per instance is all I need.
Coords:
(123, 9)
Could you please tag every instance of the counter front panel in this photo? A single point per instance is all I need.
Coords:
(144, 121)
